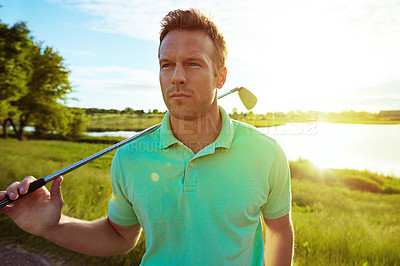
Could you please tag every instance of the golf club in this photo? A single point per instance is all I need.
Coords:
(248, 99)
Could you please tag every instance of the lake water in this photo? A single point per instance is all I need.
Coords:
(329, 145)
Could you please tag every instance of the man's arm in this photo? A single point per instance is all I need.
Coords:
(39, 213)
(96, 238)
(279, 241)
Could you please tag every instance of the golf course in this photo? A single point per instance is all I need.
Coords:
(341, 217)
(311, 83)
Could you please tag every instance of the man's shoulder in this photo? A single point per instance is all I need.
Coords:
(147, 142)
(251, 133)
(252, 142)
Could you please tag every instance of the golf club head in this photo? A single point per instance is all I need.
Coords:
(248, 99)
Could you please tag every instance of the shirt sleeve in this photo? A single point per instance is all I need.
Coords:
(120, 209)
(279, 199)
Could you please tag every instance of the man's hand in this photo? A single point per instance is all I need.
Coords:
(38, 212)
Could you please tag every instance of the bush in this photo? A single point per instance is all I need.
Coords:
(360, 183)
(392, 186)
(349, 178)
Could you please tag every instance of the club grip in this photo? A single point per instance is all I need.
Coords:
(32, 187)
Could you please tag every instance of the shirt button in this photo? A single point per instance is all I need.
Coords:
(191, 164)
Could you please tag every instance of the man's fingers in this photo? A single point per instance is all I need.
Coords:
(5, 209)
(55, 190)
(12, 191)
(2, 195)
(17, 188)
(24, 185)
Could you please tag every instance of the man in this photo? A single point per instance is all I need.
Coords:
(197, 185)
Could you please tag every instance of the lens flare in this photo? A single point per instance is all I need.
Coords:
(155, 177)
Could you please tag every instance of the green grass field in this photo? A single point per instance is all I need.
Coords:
(337, 221)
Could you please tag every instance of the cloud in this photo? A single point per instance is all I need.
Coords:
(114, 80)
(256, 27)
(389, 88)
(141, 19)
(384, 95)
(322, 52)
(381, 96)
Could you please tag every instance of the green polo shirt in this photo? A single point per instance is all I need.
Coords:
(204, 208)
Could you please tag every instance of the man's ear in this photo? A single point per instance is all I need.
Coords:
(221, 77)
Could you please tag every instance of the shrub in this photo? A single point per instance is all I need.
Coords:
(360, 183)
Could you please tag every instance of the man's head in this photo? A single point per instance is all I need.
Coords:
(190, 69)
(193, 20)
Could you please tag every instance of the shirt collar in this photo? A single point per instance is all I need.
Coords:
(223, 140)
(167, 138)
(225, 137)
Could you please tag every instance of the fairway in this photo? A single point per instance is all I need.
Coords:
(333, 224)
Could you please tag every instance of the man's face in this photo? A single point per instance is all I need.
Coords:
(187, 78)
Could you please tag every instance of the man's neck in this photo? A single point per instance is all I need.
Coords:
(199, 132)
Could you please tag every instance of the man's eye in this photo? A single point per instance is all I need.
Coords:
(193, 64)
(165, 66)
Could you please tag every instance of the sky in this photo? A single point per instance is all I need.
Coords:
(319, 55)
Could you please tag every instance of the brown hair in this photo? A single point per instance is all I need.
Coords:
(192, 20)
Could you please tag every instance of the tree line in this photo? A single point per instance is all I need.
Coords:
(315, 116)
(34, 86)
(126, 111)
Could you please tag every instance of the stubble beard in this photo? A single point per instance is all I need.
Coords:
(186, 112)
(181, 109)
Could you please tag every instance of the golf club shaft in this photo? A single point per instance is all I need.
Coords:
(43, 181)
(229, 92)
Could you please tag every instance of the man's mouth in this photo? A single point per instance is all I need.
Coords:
(179, 96)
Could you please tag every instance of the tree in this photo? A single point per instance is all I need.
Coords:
(128, 110)
(33, 84)
(77, 122)
(15, 69)
(62, 120)
(54, 120)
(47, 86)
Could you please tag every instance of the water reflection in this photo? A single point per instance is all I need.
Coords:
(329, 145)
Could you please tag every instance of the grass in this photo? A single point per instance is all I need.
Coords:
(86, 192)
(337, 226)
(337, 221)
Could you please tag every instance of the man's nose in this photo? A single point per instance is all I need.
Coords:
(179, 77)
